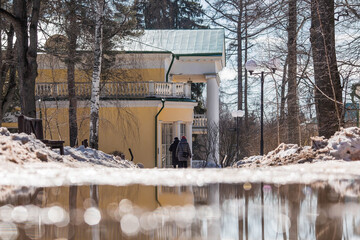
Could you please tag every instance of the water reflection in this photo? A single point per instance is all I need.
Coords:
(217, 211)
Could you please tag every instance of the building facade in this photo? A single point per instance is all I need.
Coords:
(145, 98)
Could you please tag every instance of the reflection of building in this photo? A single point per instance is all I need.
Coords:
(145, 92)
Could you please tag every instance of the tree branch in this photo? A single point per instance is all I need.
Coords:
(11, 19)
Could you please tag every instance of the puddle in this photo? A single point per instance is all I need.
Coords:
(214, 211)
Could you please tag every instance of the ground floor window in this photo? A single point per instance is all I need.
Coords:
(166, 140)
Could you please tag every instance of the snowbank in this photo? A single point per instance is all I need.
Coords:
(92, 156)
(24, 149)
(343, 145)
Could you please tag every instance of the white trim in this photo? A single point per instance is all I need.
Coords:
(123, 103)
(209, 76)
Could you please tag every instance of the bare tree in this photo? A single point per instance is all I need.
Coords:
(243, 22)
(7, 70)
(95, 88)
(25, 26)
(328, 92)
(293, 107)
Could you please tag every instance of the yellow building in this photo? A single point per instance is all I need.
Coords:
(145, 93)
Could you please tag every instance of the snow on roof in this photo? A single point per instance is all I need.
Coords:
(178, 42)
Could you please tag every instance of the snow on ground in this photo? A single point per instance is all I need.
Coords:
(26, 161)
(23, 149)
(343, 145)
(96, 157)
(53, 174)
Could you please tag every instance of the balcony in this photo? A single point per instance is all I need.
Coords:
(116, 90)
(199, 124)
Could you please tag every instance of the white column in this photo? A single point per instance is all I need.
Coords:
(176, 129)
(213, 226)
(189, 139)
(212, 105)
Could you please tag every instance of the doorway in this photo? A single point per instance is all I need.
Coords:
(166, 141)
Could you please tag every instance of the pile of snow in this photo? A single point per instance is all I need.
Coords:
(343, 145)
(24, 149)
(92, 156)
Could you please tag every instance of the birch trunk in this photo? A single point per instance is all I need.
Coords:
(95, 89)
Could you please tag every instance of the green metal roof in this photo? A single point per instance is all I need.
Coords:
(179, 42)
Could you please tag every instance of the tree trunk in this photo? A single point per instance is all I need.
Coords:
(282, 94)
(95, 89)
(239, 60)
(1, 52)
(27, 53)
(293, 107)
(246, 76)
(239, 130)
(72, 31)
(328, 92)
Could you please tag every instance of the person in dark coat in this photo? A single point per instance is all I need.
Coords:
(172, 149)
(183, 153)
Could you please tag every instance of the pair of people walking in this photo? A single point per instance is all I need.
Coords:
(181, 152)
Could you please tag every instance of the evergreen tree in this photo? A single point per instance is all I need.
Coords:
(169, 14)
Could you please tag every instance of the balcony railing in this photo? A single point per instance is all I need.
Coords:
(200, 121)
(116, 90)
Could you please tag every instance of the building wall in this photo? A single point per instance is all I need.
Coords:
(121, 67)
(123, 124)
(60, 75)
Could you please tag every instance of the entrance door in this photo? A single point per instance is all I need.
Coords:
(166, 140)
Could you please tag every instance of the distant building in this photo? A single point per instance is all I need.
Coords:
(145, 74)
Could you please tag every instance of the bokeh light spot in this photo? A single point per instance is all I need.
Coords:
(92, 216)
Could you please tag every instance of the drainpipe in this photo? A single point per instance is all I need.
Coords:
(171, 63)
(156, 123)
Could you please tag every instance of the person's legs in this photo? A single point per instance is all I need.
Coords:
(181, 164)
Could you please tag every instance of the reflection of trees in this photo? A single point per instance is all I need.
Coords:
(72, 211)
(329, 224)
(295, 196)
(17, 196)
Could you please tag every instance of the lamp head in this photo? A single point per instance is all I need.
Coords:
(274, 64)
(251, 66)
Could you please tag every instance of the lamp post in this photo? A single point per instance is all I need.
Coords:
(251, 66)
(236, 115)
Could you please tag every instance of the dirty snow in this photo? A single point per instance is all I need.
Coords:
(26, 161)
(23, 149)
(343, 145)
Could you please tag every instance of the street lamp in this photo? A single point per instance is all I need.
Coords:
(237, 114)
(251, 66)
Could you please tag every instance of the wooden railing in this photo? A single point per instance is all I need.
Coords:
(117, 90)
